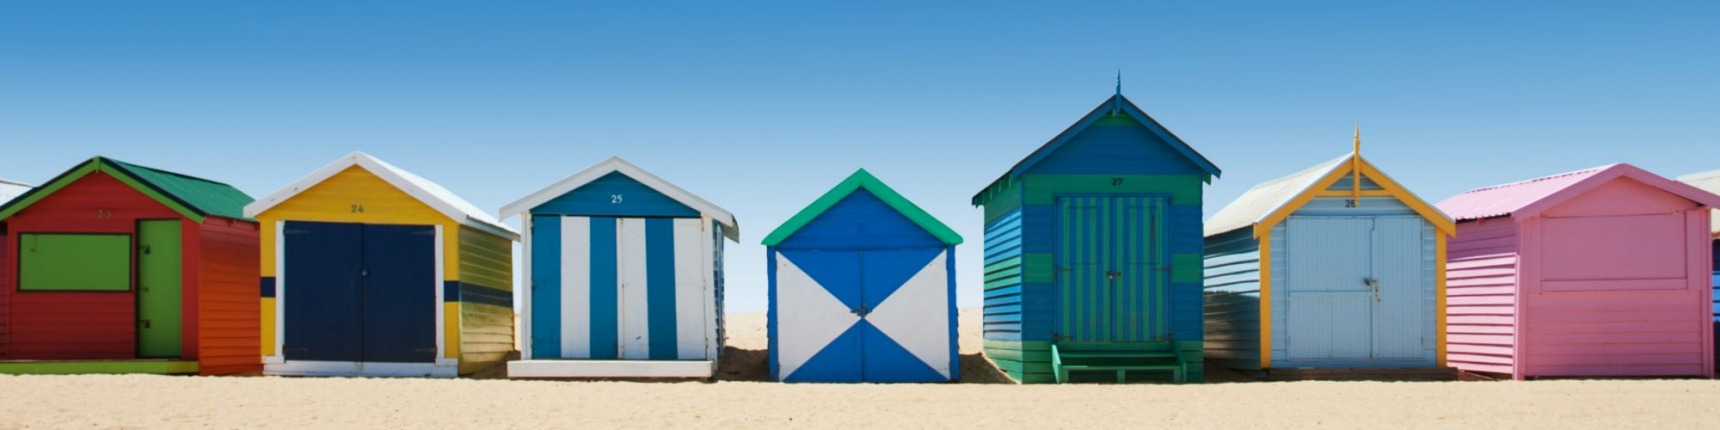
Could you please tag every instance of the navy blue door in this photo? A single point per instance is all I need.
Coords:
(399, 304)
(322, 289)
(358, 292)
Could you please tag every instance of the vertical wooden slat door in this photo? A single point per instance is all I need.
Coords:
(1109, 277)
(159, 321)
(1399, 311)
(399, 297)
(321, 291)
(1141, 296)
(1330, 304)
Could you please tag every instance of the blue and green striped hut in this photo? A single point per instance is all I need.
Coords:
(1093, 254)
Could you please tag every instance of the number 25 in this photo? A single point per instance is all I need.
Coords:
(614, 199)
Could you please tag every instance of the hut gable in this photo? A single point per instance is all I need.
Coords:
(1117, 137)
(861, 196)
(385, 184)
(600, 190)
(1269, 203)
(190, 196)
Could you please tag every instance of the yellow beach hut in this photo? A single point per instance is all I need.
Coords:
(370, 270)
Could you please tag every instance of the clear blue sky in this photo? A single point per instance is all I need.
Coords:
(761, 106)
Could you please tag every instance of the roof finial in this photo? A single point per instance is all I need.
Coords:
(1358, 143)
(1356, 169)
(1117, 101)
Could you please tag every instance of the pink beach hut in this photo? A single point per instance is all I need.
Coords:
(1599, 272)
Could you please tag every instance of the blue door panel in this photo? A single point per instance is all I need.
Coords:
(399, 311)
(321, 290)
(884, 271)
(839, 272)
(839, 361)
(546, 287)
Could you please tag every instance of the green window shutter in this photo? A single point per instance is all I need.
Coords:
(74, 262)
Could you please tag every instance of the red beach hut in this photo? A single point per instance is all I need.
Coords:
(1599, 272)
(118, 268)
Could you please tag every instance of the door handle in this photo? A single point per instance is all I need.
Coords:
(145, 323)
(1373, 284)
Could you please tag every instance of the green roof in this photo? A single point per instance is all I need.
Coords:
(190, 196)
(862, 179)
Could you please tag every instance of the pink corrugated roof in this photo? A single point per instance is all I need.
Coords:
(1500, 200)
(1532, 196)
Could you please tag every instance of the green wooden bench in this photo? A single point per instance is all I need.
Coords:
(1119, 358)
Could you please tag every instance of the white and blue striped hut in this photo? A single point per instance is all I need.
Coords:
(862, 289)
(624, 277)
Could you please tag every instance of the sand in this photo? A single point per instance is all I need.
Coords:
(739, 401)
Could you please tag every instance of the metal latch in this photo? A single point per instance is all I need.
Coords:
(1375, 285)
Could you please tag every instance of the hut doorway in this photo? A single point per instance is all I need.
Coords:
(1351, 294)
(1111, 272)
(360, 292)
(159, 322)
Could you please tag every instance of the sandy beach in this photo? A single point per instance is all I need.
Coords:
(738, 399)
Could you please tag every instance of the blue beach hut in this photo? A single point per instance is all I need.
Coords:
(862, 289)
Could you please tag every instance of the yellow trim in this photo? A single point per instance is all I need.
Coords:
(1355, 194)
(1264, 226)
(1266, 302)
(1439, 298)
(451, 329)
(1439, 220)
(1356, 170)
(1388, 188)
(268, 315)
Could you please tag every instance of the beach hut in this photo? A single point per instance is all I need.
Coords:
(370, 270)
(624, 277)
(1334, 267)
(113, 267)
(862, 289)
(1093, 254)
(1710, 181)
(1598, 272)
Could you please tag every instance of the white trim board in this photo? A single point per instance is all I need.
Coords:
(612, 368)
(616, 164)
(368, 369)
(429, 193)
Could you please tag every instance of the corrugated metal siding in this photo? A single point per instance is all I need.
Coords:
(229, 315)
(1481, 296)
(1233, 299)
(486, 299)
